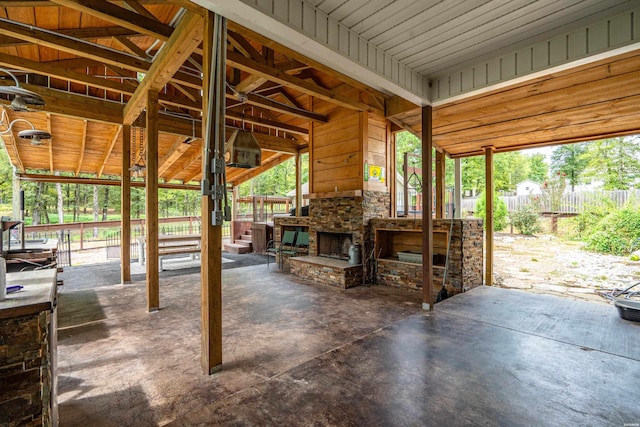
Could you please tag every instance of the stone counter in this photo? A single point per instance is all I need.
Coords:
(28, 349)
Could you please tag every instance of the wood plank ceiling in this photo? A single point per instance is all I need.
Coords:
(85, 59)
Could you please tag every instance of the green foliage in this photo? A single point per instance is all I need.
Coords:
(526, 220)
(538, 168)
(591, 215)
(277, 181)
(615, 161)
(570, 159)
(617, 233)
(499, 211)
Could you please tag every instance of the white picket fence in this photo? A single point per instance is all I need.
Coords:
(570, 203)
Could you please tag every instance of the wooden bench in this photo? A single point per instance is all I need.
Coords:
(188, 244)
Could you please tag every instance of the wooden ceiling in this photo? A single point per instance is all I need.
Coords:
(84, 57)
(594, 101)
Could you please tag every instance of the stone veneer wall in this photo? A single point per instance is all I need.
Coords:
(25, 370)
(465, 259)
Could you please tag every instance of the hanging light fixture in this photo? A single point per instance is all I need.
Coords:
(21, 99)
(36, 136)
(139, 165)
(242, 150)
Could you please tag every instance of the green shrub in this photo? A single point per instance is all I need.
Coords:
(499, 211)
(617, 233)
(525, 219)
(591, 215)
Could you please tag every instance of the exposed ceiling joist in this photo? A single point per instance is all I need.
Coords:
(187, 161)
(78, 33)
(253, 67)
(272, 124)
(270, 104)
(120, 16)
(83, 145)
(172, 155)
(88, 50)
(187, 37)
(13, 135)
(108, 151)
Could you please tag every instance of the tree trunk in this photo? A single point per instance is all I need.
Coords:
(96, 208)
(60, 202)
(37, 203)
(105, 205)
(76, 200)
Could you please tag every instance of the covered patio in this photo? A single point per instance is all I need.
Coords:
(298, 353)
(147, 93)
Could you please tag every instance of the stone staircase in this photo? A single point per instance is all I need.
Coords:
(243, 245)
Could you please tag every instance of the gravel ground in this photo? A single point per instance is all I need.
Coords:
(546, 264)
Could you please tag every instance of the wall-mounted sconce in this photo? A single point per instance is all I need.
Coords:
(21, 99)
(36, 136)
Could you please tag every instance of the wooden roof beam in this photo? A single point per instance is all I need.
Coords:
(14, 136)
(137, 7)
(271, 124)
(270, 73)
(78, 33)
(186, 163)
(96, 181)
(87, 50)
(120, 16)
(83, 145)
(108, 151)
(187, 37)
(270, 104)
(172, 155)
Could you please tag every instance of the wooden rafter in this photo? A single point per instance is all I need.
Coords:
(245, 64)
(13, 135)
(78, 33)
(83, 144)
(137, 7)
(270, 104)
(187, 37)
(172, 155)
(272, 124)
(95, 181)
(108, 151)
(130, 46)
(186, 163)
(88, 50)
(244, 47)
(119, 16)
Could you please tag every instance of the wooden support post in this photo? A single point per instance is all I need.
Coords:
(405, 171)
(151, 208)
(457, 192)
(214, 44)
(298, 202)
(81, 236)
(440, 184)
(427, 217)
(125, 207)
(488, 167)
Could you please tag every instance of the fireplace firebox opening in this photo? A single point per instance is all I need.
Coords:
(334, 245)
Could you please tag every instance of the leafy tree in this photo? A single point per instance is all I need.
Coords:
(571, 160)
(473, 174)
(499, 211)
(6, 174)
(509, 169)
(538, 168)
(616, 161)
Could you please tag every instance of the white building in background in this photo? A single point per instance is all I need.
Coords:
(528, 187)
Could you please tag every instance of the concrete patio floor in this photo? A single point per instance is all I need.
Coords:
(295, 353)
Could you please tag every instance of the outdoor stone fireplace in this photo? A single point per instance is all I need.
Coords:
(336, 221)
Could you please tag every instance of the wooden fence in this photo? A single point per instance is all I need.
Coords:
(574, 203)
